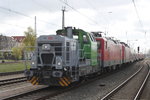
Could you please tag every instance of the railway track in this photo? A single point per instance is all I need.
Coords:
(140, 91)
(11, 77)
(49, 92)
(13, 80)
(24, 95)
(40, 94)
(11, 73)
(46, 92)
(113, 95)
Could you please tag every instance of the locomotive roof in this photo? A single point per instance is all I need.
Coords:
(53, 37)
(125, 44)
(115, 41)
(110, 39)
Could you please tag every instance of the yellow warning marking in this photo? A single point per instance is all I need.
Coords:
(32, 79)
(37, 83)
(66, 80)
(63, 81)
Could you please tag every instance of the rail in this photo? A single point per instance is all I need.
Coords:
(13, 80)
(120, 86)
(142, 86)
(11, 73)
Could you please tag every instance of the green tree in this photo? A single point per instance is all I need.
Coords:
(1, 56)
(30, 38)
(17, 52)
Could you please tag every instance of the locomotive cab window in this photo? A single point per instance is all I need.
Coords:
(85, 39)
(106, 45)
(92, 39)
(98, 45)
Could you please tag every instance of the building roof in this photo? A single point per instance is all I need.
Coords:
(18, 38)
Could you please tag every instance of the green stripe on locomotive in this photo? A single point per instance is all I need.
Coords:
(88, 46)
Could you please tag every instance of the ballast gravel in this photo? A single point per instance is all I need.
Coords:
(99, 88)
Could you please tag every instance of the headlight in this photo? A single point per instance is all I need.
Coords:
(46, 47)
(58, 63)
(33, 63)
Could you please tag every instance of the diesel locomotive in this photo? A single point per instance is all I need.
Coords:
(71, 54)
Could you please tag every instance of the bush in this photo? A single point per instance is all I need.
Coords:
(17, 53)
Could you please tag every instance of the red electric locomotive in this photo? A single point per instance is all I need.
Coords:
(112, 53)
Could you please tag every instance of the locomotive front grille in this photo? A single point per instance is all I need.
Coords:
(47, 58)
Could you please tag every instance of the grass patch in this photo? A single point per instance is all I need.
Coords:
(11, 67)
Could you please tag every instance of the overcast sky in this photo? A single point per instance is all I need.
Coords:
(117, 18)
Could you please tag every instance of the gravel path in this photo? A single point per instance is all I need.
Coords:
(94, 90)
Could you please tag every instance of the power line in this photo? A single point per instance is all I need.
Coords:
(22, 14)
(10, 10)
(13, 25)
(104, 19)
(140, 21)
(43, 6)
(23, 27)
(78, 11)
(98, 12)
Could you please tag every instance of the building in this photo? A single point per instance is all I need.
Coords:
(18, 40)
(8, 42)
